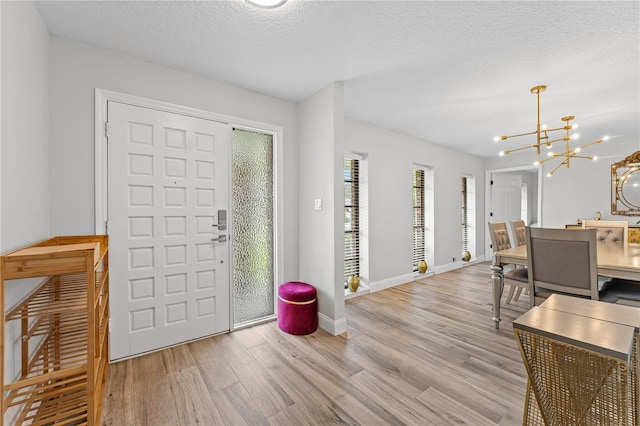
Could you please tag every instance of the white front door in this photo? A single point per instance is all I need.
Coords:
(168, 182)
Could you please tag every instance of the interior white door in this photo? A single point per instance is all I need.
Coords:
(506, 198)
(168, 179)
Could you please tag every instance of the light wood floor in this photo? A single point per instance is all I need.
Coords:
(423, 353)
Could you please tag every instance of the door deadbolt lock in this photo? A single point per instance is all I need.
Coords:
(220, 239)
(222, 220)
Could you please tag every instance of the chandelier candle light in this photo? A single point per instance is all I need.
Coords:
(543, 139)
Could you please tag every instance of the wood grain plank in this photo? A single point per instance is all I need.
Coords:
(236, 406)
(401, 409)
(267, 393)
(151, 397)
(117, 390)
(451, 411)
(194, 405)
(216, 371)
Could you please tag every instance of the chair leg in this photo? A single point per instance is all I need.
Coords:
(510, 294)
(518, 292)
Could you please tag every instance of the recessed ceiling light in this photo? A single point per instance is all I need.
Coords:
(267, 4)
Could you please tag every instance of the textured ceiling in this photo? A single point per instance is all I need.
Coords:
(454, 73)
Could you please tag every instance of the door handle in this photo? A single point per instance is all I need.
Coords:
(220, 239)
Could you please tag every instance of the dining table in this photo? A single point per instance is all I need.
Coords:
(613, 261)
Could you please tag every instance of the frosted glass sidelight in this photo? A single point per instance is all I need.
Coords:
(253, 273)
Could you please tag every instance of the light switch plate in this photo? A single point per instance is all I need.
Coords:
(317, 204)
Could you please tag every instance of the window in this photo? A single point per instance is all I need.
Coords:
(468, 217)
(524, 209)
(253, 277)
(418, 218)
(465, 215)
(351, 218)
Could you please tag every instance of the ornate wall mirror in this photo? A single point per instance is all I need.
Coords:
(625, 186)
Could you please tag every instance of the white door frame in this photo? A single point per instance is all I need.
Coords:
(487, 199)
(102, 96)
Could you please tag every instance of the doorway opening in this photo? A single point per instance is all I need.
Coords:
(506, 200)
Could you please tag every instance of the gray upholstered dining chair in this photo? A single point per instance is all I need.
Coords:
(563, 261)
(611, 232)
(517, 277)
(614, 234)
(518, 232)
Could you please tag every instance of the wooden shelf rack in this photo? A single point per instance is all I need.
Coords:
(64, 331)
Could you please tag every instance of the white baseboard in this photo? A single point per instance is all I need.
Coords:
(447, 267)
(406, 278)
(333, 327)
(391, 282)
(457, 265)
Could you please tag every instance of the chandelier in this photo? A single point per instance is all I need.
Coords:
(543, 138)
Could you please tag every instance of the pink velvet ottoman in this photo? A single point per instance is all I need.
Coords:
(297, 308)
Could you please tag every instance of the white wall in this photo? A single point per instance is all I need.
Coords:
(1, 129)
(25, 126)
(391, 157)
(321, 150)
(582, 190)
(25, 132)
(77, 69)
(24, 143)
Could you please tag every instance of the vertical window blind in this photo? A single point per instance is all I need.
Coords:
(465, 215)
(351, 218)
(418, 218)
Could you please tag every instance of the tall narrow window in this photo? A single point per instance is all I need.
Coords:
(418, 218)
(468, 217)
(465, 215)
(253, 227)
(351, 218)
(524, 208)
